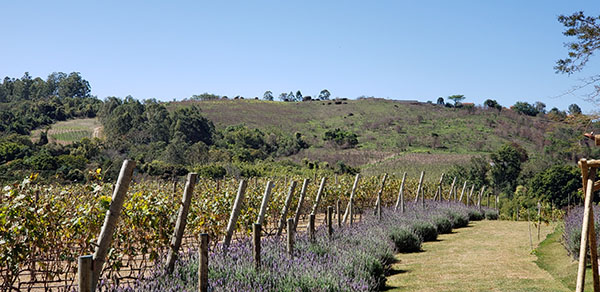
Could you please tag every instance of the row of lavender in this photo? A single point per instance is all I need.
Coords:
(356, 258)
(572, 230)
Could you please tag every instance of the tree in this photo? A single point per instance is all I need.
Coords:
(298, 95)
(192, 126)
(586, 31)
(492, 103)
(506, 166)
(574, 109)
(555, 184)
(540, 107)
(457, 98)
(291, 96)
(268, 95)
(283, 97)
(440, 101)
(324, 94)
(525, 108)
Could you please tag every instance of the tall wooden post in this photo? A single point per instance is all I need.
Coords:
(181, 221)
(463, 191)
(84, 271)
(286, 206)
(400, 200)
(311, 227)
(203, 263)
(452, 190)
(300, 201)
(111, 219)
(265, 203)
(588, 234)
(256, 232)
(319, 194)
(349, 207)
(330, 221)
(419, 189)
(439, 189)
(235, 212)
(378, 202)
(470, 195)
(290, 236)
(337, 213)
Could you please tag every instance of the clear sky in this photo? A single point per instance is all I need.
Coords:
(504, 50)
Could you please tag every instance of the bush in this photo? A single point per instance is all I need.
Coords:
(442, 224)
(405, 240)
(475, 215)
(491, 215)
(425, 230)
(212, 171)
(458, 220)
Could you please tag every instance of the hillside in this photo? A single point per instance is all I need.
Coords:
(392, 135)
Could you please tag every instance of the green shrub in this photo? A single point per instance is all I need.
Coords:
(458, 220)
(442, 224)
(405, 240)
(491, 215)
(475, 215)
(425, 230)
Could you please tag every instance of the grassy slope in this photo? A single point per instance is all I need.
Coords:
(392, 135)
(70, 131)
(487, 256)
(553, 258)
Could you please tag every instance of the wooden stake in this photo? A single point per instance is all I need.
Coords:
(439, 190)
(111, 219)
(319, 194)
(587, 231)
(348, 208)
(265, 203)
(256, 230)
(378, 202)
(235, 212)
(452, 190)
(300, 201)
(330, 221)
(463, 191)
(184, 208)
(337, 211)
(470, 195)
(419, 190)
(84, 271)
(286, 206)
(311, 227)
(400, 201)
(290, 236)
(203, 263)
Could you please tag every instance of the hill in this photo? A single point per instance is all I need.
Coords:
(392, 135)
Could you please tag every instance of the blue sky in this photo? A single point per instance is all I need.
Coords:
(504, 50)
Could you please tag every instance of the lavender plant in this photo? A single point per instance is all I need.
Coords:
(571, 237)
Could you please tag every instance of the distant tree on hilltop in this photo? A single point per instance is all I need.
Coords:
(324, 94)
(574, 109)
(268, 95)
(457, 98)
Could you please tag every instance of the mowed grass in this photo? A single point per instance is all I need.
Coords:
(486, 256)
(66, 132)
(553, 257)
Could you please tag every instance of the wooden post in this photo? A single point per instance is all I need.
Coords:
(256, 230)
(452, 190)
(203, 263)
(419, 188)
(286, 206)
(337, 211)
(311, 227)
(319, 194)
(290, 236)
(181, 221)
(479, 198)
(470, 194)
(378, 202)
(329, 221)
(463, 191)
(348, 208)
(588, 233)
(351, 211)
(265, 203)
(439, 189)
(84, 271)
(111, 219)
(300, 201)
(235, 212)
(400, 200)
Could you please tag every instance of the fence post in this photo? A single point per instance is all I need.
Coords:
(111, 219)
(203, 263)
(311, 227)
(439, 189)
(351, 211)
(290, 237)
(235, 212)
(348, 208)
(181, 221)
(329, 221)
(470, 194)
(419, 188)
(479, 198)
(337, 212)
(300, 201)
(378, 202)
(84, 271)
(256, 230)
(319, 194)
(286, 206)
(265, 202)
(452, 190)
(400, 200)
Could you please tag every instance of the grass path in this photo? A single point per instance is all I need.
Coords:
(486, 256)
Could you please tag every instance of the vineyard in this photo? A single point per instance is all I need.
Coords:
(46, 227)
